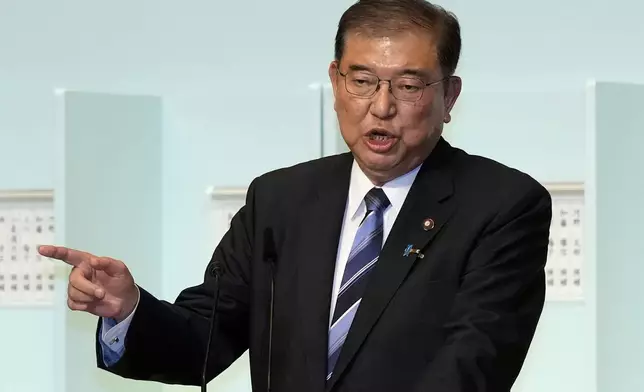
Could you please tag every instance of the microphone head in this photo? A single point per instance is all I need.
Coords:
(215, 269)
(270, 251)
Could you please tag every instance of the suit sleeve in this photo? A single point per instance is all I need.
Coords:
(497, 308)
(166, 342)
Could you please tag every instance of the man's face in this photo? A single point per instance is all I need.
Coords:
(389, 136)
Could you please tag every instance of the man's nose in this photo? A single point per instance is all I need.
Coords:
(383, 103)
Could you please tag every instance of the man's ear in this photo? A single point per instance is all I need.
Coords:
(452, 92)
(333, 76)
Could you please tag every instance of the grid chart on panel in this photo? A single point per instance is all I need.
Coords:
(564, 268)
(26, 278)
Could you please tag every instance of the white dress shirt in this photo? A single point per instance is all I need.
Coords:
(113, 335)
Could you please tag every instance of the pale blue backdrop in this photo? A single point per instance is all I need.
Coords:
(234, 77)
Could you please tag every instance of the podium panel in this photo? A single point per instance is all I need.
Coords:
(616, 191)
(107, 202)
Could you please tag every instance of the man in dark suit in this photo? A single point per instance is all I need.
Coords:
(405, 265)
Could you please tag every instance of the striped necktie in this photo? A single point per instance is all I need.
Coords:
(362, 258)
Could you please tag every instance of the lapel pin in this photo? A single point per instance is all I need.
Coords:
(409, 249)
(428, 224)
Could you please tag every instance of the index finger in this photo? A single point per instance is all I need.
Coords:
(68, 255)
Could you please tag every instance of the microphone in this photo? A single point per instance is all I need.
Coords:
(270, 256)
(215, 269)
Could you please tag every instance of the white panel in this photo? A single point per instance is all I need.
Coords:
(226, 203)
(26, 220)
(564, 268)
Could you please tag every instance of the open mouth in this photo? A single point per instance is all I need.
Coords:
(380, 140)
(380, 135)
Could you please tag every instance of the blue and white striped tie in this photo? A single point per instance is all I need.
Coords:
(363, 257)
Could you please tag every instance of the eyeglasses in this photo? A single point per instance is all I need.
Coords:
(404, 88)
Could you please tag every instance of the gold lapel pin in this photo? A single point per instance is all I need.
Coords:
(428, 224)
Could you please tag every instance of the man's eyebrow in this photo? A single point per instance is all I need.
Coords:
(405, 72)
(415, 72)
(359, 67)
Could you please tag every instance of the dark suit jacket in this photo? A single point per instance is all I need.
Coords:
(460, 319)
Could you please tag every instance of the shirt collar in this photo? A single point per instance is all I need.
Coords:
(396, 190)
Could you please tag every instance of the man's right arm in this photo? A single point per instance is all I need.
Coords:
(166, 342)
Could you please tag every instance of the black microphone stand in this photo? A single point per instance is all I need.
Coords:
(215, 270)
(270, 326)
(270, 256)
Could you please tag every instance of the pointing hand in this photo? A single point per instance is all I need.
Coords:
(101, 286)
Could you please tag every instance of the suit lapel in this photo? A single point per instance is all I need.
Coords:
(321, 225)
(428, 198)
